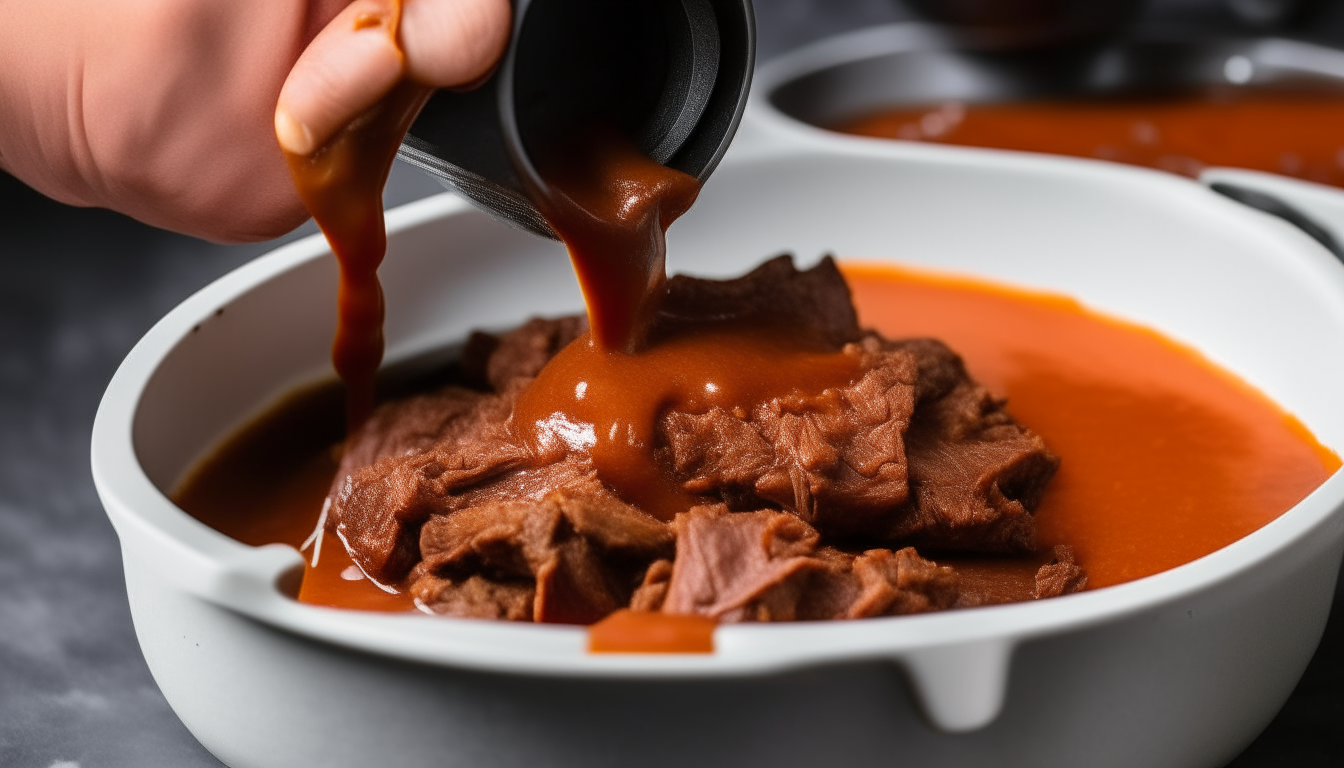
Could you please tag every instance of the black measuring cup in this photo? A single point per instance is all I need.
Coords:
(671, 74)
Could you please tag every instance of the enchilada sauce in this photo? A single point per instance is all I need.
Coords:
(341, 185)
(1166, 458)
(1293, 132)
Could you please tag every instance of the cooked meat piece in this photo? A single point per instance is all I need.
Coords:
(836, 459)
(378, 510)
(939, 369)
(524, 351)
(582, 554)
(417, 424)
(1061, 576)
(766, 566)
(653, 590)
(442, 451)
(476, 597)
(436, 492)
(728, 560)
(814, 301)
(975, 473)
(897, 583)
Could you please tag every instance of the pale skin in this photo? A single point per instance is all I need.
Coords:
(175, 111)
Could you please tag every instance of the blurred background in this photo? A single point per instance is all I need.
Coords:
(81, 286)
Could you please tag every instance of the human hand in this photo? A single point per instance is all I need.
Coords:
(166, 110)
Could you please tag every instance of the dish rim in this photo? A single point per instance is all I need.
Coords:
(243, 579)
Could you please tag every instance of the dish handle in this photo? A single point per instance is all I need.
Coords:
(1316, 209)
(961, 688)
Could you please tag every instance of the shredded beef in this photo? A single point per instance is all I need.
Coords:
(1061, 576)
(975, 473)
(768, 566)
(819, 499)
(568, 558)
(813, 301)
(524, 351)
(443, 451)
(835, 459)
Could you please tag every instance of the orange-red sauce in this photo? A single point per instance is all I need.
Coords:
(607, 403)
(1294, 132)
(627, 631)
(1165, 457)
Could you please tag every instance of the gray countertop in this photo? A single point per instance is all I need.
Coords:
(79, 288)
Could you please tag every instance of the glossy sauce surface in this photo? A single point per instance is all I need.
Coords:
(606, 403)
(1296, 133)
(612, 205)
(1165, 457)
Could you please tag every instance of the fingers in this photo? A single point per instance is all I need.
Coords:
(352, 63)
(355, 60)
(451, 43)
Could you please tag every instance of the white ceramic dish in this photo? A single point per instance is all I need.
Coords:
(1182, 668)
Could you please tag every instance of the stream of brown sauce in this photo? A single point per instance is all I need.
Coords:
(1293, 132)
(341, 184)
(612, 205)
(1166, 457)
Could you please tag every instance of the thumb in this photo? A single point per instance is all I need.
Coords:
(370, 46)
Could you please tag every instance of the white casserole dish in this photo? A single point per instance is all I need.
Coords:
(1181, 668)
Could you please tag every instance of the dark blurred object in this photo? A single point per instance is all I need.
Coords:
(1266, 14)
(905, 65)
(1263, 201)
(1033, 22)
(670, 74)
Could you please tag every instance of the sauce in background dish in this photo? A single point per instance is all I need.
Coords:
(1297, 133)
(1166, 457)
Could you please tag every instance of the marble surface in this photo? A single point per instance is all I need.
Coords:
(79, 288)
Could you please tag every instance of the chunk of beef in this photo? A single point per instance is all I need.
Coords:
(975, 473)
(574, 557)
(524, 351)
(767, 566)
(836, 459)
(419, 423)
(378, 510)
(477, 597)
(814, 301)
(445, 450)
(1061, 576)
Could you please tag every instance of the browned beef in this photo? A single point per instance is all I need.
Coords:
(435, 492)
(452, 414)
(1061, 576)
(419, 423)
(524, 351)
(378, 509)
(836, 459)
(445, 450)
(975, 473)
(569, 558)
(767, 566)
(814, 301)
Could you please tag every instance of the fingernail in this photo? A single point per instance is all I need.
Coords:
(293, 135)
